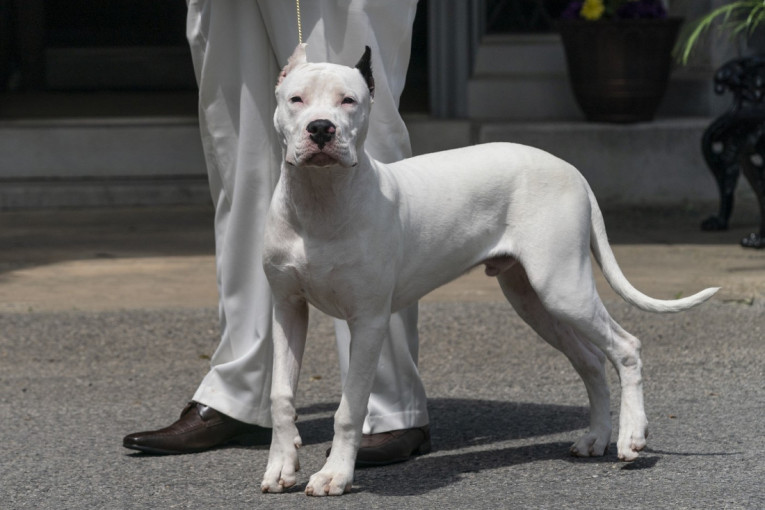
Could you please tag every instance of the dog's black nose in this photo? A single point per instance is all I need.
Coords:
(322, 131)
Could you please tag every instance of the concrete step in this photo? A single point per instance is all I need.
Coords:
(101, 162)
(656, 163)
(159, 161)
(521, 77)
(514, 54)
(522, 98)
(524, 77)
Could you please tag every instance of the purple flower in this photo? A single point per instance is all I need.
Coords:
(572, 11)
(641, 9)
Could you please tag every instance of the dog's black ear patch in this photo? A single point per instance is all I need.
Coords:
(365, 68)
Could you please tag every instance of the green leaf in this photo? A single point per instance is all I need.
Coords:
(736, 18)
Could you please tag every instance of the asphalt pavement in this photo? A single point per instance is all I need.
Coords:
(108, 319)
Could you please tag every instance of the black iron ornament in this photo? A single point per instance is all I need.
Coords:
(735, 142)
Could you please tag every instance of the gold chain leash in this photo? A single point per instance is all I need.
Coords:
(300, 25)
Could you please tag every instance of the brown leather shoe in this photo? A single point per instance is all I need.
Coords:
(198, 429)
(392, 447)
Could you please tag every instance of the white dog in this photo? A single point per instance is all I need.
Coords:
(359, 239)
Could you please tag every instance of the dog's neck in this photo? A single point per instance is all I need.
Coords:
(326, 197)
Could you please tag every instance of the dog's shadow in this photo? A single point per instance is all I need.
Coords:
(460, 423)
(465, 424)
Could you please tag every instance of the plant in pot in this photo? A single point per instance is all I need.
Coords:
(619, 56)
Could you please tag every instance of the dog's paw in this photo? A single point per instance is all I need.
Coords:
(281, 469)
(631, 442)
(280, 476)
(329, 483)
(592, 444)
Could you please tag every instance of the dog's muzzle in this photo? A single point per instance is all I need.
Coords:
(321, 131)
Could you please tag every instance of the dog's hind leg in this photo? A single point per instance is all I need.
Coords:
(567, 291)
(623, 350)
(588, 361)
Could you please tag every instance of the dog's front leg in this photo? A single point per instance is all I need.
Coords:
(289, 336)
(336, 477)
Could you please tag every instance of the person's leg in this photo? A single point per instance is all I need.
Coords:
(236, 81)
(337, 32)
(236, 77)
(236, 69)
(233, 66)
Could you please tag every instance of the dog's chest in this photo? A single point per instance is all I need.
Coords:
(322, 273)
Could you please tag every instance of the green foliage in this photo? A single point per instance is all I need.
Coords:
(738, 19)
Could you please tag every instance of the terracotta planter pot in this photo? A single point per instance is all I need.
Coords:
(619, 69)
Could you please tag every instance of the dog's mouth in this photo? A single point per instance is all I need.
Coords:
(320, 159)
(310, 155)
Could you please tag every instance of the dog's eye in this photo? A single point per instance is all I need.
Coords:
(349, 100)
(296, 99)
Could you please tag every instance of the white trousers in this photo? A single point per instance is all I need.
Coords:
(238, 48)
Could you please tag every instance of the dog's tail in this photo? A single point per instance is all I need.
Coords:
(615, 277)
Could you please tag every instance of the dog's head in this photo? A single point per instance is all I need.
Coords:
(322, 110)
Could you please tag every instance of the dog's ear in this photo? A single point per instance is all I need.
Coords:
(365, 68)
(297, 58)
